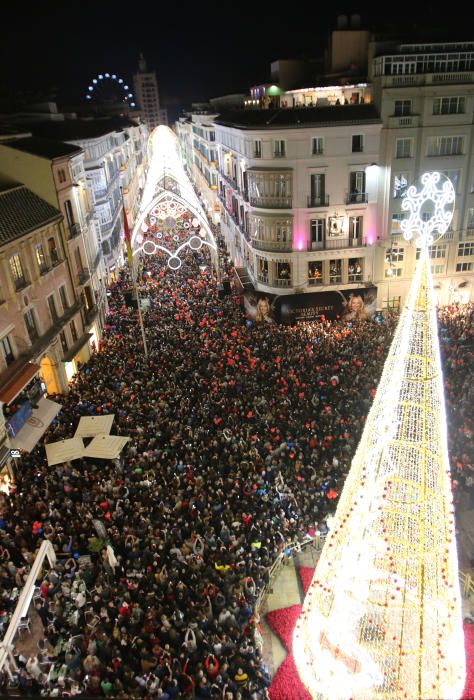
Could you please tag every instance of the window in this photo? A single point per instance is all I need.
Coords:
(400, 185)
(318, 228)
(30, 323)
(279, 148)
(452, 175)
(62, 337)
(257, 149)
(318, 187)
(397, 254)
(283, 271)
(445, 146)
(403, 148)
(72, 326)
(355, 269)
(397, 220)
(7, 350)
(357, 143)
(355, 226)
(17, 273)
(52, 308)
(53, 251)
(357, 193)
(437, 269)
(465, 249)
(63, 295)
(402, 108)
(61, 175)
(40, 259)
(335, 271)
(470, 218)
(315, 272)
(317, 146)
(393, 272)
(464, 267)
(448, 105)
(435, 251)
(262, 269)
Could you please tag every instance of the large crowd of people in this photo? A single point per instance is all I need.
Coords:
(241, 437)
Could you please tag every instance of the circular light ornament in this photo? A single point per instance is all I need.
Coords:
(175, 237)
(195, 243)
(430, 209)
(159, 235)
(149, 247)
(174, 263)
(185, 224)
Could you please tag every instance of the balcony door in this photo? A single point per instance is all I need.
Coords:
(318, 189)
(357, 186)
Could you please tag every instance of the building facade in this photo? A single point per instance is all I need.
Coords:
(425, 94)
(311, 180)
(55, 171)
(299, 196)
(43, 320)
(197, 136)
(147, 96)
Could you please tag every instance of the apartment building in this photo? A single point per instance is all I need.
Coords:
(299, 190)
(42, 320)
(312, 179)
(425, 94)
(197, 136)
(115, 164)
(55, 172)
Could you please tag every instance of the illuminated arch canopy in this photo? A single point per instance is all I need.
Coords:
(171, 219)
(123, 88)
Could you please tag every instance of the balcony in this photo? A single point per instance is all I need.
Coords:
(83, 276)
(272, 246)
(427, 79)
(74, 231)
(355, 277)
(281, 283)
(339, 243)
(279, 154)
(318, 201)
(357, 198)
(44, 269)
(315, 281)
(271, 202)
(403, 122)
(263, 278)
(97, 260)
(91, 314)
(21, 283)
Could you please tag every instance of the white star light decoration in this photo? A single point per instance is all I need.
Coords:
(439, 219)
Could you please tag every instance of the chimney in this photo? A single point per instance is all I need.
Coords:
(355, 21)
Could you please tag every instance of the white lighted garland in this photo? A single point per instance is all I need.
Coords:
(437, 217)
(382, 617)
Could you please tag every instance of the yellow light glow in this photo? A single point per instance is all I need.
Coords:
(382, 618)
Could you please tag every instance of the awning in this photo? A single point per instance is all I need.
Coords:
(106, 446)
(17, 380)
(36, 425)
(72, 352)
(89, 426)
(64, 450)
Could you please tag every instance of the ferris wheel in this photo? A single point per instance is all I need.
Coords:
(107, 84)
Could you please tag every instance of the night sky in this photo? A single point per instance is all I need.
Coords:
(58, 47)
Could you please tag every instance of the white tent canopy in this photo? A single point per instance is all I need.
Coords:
(90, 426)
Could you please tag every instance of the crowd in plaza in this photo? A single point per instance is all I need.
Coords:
(241, 437)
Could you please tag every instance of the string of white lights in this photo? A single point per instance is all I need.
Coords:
(382, 617)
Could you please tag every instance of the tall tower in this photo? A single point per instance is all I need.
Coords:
(382, 618)
(146, 94)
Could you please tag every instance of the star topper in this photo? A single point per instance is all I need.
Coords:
(427, 207)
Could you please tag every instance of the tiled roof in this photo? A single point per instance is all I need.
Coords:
(299, 117)
(45, 148)
(22, 211)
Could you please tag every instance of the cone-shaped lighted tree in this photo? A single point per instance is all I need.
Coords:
(382, 618)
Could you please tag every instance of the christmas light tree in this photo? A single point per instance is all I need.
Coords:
(382, 618)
